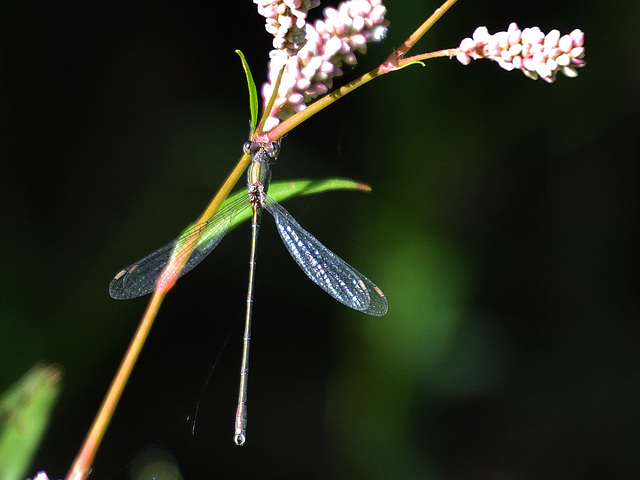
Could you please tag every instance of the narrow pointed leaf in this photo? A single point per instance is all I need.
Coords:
(253, 92)
(281, 191)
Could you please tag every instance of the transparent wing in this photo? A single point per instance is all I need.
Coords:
(325, 268)
(140, 278)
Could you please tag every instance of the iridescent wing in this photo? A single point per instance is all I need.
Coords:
(325, 268)
(140, 278)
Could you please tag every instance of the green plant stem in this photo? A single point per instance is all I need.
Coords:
(392, 61)
(448, 52)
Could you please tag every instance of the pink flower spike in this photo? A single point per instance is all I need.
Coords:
(531, 51)
(330, 42)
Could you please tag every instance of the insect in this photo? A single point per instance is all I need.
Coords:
(321, 265)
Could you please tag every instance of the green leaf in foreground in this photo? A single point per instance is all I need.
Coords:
(25, 410)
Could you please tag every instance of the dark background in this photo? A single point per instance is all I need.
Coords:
(503, 227)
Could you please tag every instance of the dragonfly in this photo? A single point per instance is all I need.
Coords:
(327, 270)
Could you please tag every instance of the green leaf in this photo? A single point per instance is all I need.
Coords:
(253, 92)
(279, 191)
(26, 408)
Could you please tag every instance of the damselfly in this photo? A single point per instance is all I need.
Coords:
(321, 265)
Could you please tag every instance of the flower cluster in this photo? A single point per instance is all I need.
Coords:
(537, 55)
(329, 43)
(285, 21)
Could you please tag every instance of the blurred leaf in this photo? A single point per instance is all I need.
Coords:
(25, 410)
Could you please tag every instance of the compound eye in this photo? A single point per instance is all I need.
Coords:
(246, 148)
(275, 150)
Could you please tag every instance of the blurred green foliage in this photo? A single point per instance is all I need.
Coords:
(25, 412)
